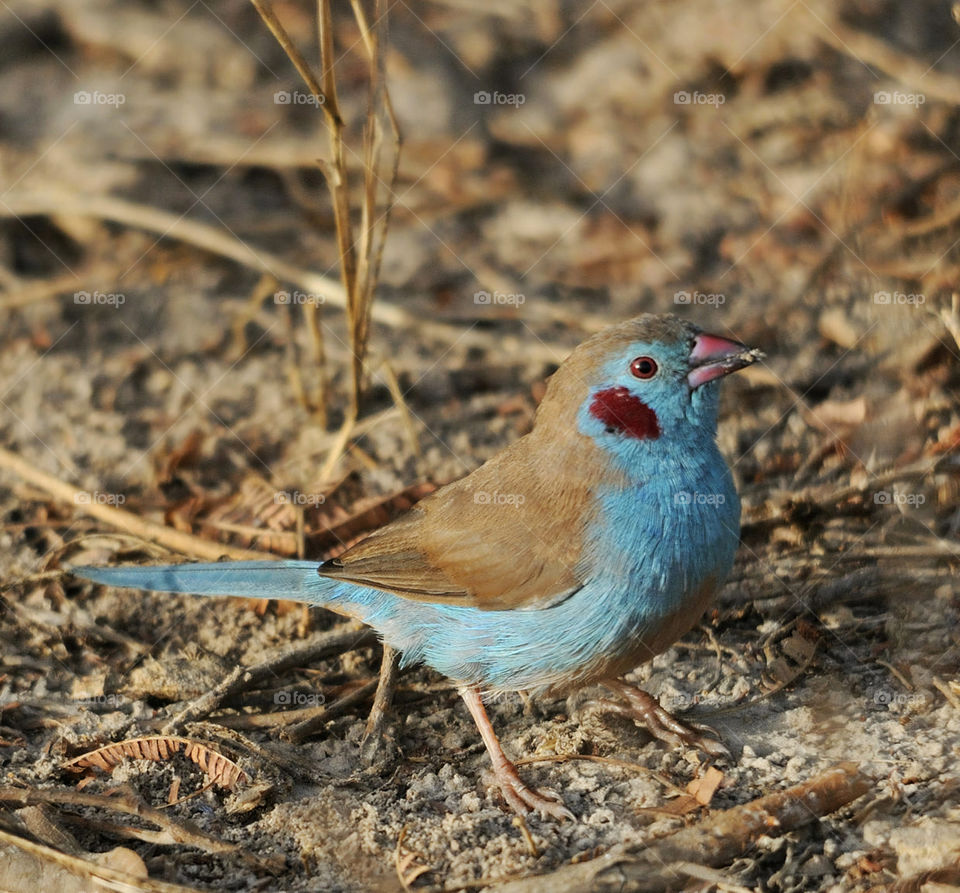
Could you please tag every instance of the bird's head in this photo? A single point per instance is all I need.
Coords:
(647, 380)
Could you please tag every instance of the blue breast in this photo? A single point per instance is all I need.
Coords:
(649, 552)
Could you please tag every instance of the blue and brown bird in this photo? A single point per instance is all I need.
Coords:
(577, 553)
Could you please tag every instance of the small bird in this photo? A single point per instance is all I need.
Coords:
(577, 553)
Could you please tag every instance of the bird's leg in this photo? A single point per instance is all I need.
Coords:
(646, 709)
(373, 739)
(521, 797)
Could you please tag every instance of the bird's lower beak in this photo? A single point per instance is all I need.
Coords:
(712, 356)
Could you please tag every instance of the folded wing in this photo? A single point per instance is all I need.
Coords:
(508, 536)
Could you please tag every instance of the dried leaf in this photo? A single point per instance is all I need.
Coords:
(799, 648)
(791, 658)
(124, 859)
(703, 788)
(186, 453)
(217, 767)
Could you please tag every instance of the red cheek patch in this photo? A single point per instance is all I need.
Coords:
(619, 410)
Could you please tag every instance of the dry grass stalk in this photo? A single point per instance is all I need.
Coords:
(360, 244)
(121, 519)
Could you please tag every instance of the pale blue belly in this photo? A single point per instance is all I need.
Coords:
(649, 555)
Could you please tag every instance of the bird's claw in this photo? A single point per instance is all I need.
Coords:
(663, 725)
(523, 799)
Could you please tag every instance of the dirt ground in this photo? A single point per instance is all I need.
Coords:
(783, 172)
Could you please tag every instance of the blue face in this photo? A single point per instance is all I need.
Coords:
(642, 400)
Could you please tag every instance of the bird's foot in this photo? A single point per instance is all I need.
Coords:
(523, 798)
(644, 708)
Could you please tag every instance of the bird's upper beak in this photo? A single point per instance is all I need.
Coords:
(712, 356)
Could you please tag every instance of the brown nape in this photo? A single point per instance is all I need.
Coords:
(567, 388)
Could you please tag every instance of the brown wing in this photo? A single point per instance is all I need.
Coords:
(509, 535)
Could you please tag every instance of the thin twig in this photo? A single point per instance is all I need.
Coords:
(172, 226)
(242, 679)
(317, 716)
(313, 313)
(875, 51)
(716, 841)
(101, 877)
(33, 292)
(396, 392)
(221, 242)
(125, 801)
(187, 543)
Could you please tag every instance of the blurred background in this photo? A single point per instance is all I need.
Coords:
(782, 171)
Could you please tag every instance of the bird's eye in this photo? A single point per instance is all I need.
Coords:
(643, 367)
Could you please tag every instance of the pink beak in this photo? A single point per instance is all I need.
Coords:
(712, 357)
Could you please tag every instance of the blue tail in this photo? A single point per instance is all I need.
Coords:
(404, 623)
(294, 580)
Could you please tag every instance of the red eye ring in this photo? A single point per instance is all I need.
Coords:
(643, 367)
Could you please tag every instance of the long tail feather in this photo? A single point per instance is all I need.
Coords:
(293, 580)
